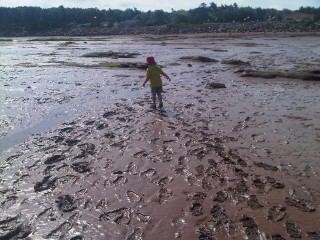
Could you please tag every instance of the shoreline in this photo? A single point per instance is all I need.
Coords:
(217, 28)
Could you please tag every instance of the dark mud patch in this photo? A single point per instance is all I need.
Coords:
(266, 166)
(110, 54)
(199, 59)
(54, 159)
(300, 204)
(234, 62)
(121, 216)
(213, 85)
(20, 232)
(66, 203)
(48, 182)
(81, 167)
(276, 213)
(251, 228)
(128, 65)
(52, 39)
(313, 75)
(293, 230)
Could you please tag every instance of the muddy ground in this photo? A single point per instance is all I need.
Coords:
(84, 157)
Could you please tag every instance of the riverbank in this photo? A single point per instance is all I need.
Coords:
(218, 28)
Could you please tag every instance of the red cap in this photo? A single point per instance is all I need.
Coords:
(150, 60)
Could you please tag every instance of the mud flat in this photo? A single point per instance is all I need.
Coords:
(229, 157)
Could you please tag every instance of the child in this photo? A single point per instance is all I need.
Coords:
(153, 74)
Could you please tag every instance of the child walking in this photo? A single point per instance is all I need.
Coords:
(154, 73)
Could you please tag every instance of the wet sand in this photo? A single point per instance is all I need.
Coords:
(83, 156)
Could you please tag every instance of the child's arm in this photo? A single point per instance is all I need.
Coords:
(144, 83)
(164, 74)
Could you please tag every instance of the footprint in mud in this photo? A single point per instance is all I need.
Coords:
(109, 163)
(54, 159)
(314, 235)
(87, 204)
(47, 183)
(164, 181)
(181, 170)
(257, 138)
(163, 195)
(48, 169)
(55, 139)
(108, 114)
(208, 182)
(277, 237)
(148, 173)
(61, 230)
(300, 204)
(101, 126)
(293, 230)
(102, 204)
(276, 213)
(251, 228)
(120, 180)
(46, 214)
(200, 170)
(212, 171)
(212, 163)
(239, 172)
(21, 231)
(133, 196)
(278, 184)
(66, 203)
(218, 215)
(239, 127)
(199, 152)
(241, 162)
(10, 222)
(109, 135)
(196, 209)
(86, 149)
(81, 167)
(253, 202)
(258, 114)
(222, 196)
(72, 142)
(68, 178)
(266, 166)
(121, 216)
(192, 180)
(78, 237)
(199, 197)
(240, 190)
(132, 169)
(66, 130)
(34, 166)
(8, 202)
(258, 183)
(205, 234)
(142, 217)
(136, 235)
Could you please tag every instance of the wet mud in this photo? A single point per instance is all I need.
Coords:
(84, 157)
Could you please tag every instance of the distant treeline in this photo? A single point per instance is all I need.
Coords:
(36, 19)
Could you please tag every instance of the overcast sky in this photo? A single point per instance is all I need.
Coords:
(167, 5)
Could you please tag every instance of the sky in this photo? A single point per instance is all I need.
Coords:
(166, 5)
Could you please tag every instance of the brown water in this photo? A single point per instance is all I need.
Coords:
(82, 154)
